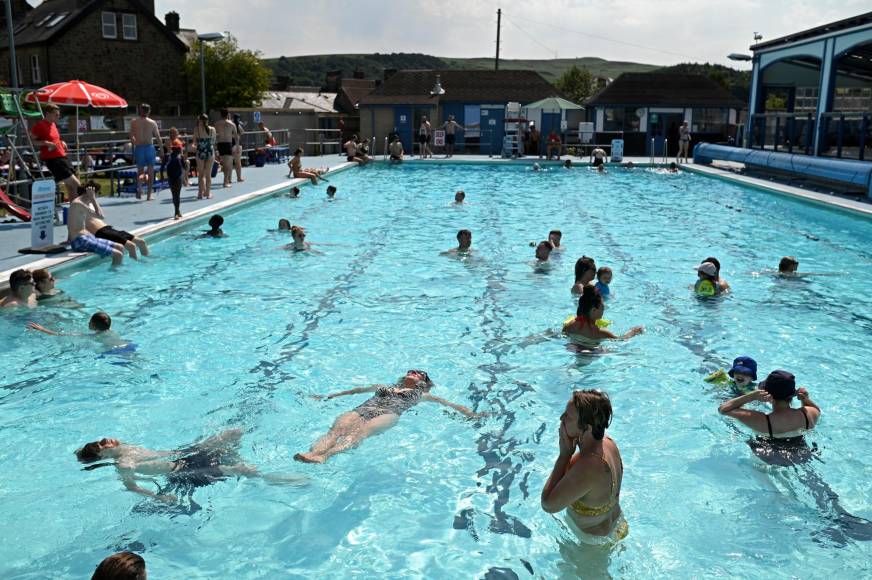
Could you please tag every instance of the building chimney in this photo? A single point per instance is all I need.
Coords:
(332, 81)
(388, 73)
(172, 21)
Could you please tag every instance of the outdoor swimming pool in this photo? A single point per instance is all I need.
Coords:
(236, 332)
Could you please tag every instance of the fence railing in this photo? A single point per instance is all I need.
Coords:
(844, 135)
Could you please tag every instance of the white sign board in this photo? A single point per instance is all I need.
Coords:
(42, 196)
(439, 138)
(491, 122)
(617, 149)
(98, 122)
(402, 119)
(256, 116)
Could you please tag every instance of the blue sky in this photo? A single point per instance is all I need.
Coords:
(653, 31)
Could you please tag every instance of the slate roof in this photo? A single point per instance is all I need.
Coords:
(51, 18)
(473, 86)
(665, 89)
(355, 89)
(298, 101)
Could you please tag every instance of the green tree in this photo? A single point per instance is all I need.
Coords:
(775, 102)
(576, 84)
(234, 77)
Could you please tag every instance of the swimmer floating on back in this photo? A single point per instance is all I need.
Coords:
(375, 415)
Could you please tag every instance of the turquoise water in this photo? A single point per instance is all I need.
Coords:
(237, 332)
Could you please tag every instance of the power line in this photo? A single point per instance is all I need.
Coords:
(533, 38)
(605, 38)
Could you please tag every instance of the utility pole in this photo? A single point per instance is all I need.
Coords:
(497, 61)
(13, 62)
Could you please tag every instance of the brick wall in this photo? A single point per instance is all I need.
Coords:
(148, 69)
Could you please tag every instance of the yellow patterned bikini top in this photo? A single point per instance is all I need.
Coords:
(582, 509)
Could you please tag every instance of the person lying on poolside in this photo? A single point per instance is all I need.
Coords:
(375, 415)
(213, 459)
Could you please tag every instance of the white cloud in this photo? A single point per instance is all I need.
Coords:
(661, 32)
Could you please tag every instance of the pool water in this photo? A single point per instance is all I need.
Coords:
(237, 332)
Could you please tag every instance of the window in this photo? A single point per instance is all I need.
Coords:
(35, 73)
(128, 26)
(44, 19)
(710, 120)
(110, 28)
(625, 119)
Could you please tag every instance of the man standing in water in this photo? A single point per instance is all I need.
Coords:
(143, 132)
(226, 136)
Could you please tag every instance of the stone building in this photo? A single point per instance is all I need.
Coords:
(116, 44)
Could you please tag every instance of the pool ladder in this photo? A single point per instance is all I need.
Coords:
(665, 157)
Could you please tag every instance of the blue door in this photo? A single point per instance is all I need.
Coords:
(403, 123)
(492, 130)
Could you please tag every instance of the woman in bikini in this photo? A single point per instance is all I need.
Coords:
(781, 431)
(586, 478)
(375, 415)
(204, 141)
(583, 328)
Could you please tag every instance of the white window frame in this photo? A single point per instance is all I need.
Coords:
(35, 71)
(126, 24)
(109, 19)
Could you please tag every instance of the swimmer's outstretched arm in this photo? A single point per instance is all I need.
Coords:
(636, 330)
(354, 391)
(465, 410)
(41, 328)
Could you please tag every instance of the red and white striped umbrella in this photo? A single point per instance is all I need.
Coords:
(77, 94)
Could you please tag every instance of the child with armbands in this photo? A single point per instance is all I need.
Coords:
(707, 284)
(740, 378)
(603, 279)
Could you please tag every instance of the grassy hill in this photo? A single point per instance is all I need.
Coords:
(311, 70)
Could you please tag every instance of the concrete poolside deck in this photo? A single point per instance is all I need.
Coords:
(144, 218)
(147, 218)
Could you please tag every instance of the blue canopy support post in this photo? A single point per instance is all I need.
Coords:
(825, 94)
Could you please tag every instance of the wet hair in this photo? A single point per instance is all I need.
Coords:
(295, 191)
(673, 165)
(101, 322)
(145, 108)
(582, 265)
(786, 264)
(49, 108)
(40, 276)
(545, 243)
(87, 184)
(716, 262)
(555, 233)
(297, 230)
(463, 233)
(590, 298)
(19, 278)
(284, 224)
(331, 190)
(121, 566)
(89, 453)
(603, 270)
(567, 163)
(460, 193)
(216, 221)
(298, 151)
(594, 409)
(426, 383)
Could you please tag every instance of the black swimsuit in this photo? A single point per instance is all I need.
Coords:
(782, 450)
(389, 400)
(197, 467)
